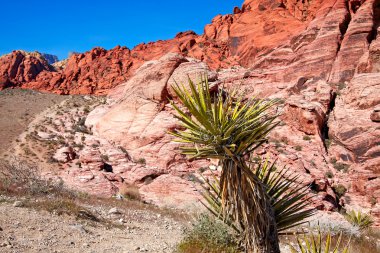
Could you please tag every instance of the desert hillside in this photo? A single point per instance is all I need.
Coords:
(320, 58)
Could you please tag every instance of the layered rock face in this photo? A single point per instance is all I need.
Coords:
(320, 58)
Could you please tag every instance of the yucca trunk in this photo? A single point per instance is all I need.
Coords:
(244, 198)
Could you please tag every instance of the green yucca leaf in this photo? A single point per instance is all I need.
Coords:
(358, 219)
(312, 244)
(290, 211)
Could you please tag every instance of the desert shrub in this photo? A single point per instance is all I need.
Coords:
(62, 206)
(86, 109)
(208, 234)
(78, 145)
(341, 167)
(81, 121)
(81, 129)
(334, 226)
(341, 86)
(288, 199)
(105, 157)
(130, 192)
(298, 148)
(18, 176)
(141, 161)
(329, 174)
(373, 200)
(359, 219)
(340, 190)
(327, 142)
(306, 138)
(202, 169)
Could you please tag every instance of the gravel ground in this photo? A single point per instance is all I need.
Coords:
(28, 230)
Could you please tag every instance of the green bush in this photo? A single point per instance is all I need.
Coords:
(141, 161)
(339, 190)
(341, 167)
(306, 138)
(208, 234)
(329, 174)
(328, 143)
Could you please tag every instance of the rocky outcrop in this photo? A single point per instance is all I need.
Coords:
(19, 68)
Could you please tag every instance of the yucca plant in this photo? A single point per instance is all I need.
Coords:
(288, 198)
(220, 126)
(316, 244)
(359, 219)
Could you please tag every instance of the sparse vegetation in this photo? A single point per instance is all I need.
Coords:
(328, 143)
(329, 174)
(340, 190)
(359, 219)
(130, 192)
(105, 157)
(306, 138)
(341, 167)
(208, 234)
(141, 161)
(373, 201)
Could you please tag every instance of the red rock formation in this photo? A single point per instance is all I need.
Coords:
(19, 67)
(243, 38)
(321, 58)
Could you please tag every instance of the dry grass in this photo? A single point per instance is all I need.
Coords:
(130, 192)
(21, 180)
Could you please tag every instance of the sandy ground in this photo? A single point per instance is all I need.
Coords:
(18, 108)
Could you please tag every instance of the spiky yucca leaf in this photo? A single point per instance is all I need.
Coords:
(288, 198)
(220, 126)
(359, 219)
(317, 244)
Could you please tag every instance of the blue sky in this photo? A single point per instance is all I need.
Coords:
(60, 27)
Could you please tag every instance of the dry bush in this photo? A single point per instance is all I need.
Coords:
(17, 176)
(130, 192)
(208, 234)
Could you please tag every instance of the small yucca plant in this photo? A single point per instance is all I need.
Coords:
(316, 244)
(359, 219)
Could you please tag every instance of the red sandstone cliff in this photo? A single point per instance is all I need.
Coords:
(321, 57)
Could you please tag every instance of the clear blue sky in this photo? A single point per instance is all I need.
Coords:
(60, 27)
